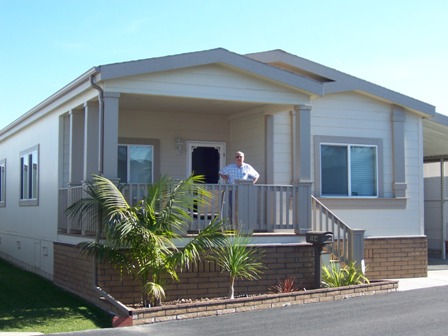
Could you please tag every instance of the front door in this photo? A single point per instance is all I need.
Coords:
(206, 158)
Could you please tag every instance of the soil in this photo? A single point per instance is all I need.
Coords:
(205, 299)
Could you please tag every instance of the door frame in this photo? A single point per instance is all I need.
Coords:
(191, 144)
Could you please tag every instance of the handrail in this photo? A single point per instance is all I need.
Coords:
(246, 206)
(348, 243)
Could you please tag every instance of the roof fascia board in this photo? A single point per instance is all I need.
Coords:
(41, 108)
(214, 56)
(342, 82)
(360, 85)
(440, 119)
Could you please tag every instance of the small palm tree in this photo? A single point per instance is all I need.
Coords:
(237, 258)
(139, 239)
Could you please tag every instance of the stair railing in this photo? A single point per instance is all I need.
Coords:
(348, 243)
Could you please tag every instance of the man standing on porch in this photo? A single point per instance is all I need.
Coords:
(238, 170)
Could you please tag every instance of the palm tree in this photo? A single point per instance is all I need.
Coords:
(237, 258)
(139, 239)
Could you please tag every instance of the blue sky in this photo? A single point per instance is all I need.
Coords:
(45, 44)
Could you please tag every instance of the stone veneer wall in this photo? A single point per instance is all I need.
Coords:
(394, 258)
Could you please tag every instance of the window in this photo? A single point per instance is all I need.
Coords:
(29, 176)
(136, 163)
(349, 170)
(2, 183)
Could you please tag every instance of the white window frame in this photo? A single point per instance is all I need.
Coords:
(29, 180)
(3, 183)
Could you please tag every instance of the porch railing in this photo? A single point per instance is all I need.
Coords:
(248, 207)
(348, 243)
(86, 225)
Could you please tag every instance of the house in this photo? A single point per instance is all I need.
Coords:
(335, 153)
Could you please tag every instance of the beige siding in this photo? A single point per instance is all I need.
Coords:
(282, 148)
(208, 82)
(354, 115)
(166, 127)
(247, 135)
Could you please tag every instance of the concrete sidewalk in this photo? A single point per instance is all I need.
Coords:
(437, 276)
(434, 279)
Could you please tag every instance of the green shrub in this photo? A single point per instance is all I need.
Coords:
(334, 276)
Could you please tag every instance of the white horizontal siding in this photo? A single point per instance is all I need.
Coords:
(354, 115)
(208, 82)
(25, 230)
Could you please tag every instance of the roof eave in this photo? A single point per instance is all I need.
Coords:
(214, 56)
(57, 95)
(342, 82)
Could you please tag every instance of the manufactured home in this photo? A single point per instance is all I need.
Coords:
(334, 152)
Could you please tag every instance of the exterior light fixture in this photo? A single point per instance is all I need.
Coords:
(179, 145)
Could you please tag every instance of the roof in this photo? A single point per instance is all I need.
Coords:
(435, 137)
(277, 65)
(213, 56)
(336, 81)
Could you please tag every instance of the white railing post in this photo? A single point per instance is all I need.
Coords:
(356, 246)
(304, 223)
(246, 205)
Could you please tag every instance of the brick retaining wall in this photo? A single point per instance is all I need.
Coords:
(386, 258)
(238, 305)
(75, 273)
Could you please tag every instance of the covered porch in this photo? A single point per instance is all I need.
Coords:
(143, 120)
(151, 118)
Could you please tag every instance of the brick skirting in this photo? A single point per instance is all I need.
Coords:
(395, 258)
(386, 258)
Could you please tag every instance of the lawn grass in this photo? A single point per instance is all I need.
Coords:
(29, 302)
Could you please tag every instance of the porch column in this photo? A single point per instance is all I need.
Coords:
(302, 147)
(76, 147)
(398, 147)
(91, 126)
(302, 164)
(269, 148)
(110, 135)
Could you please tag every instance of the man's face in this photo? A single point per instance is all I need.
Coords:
(239, 159)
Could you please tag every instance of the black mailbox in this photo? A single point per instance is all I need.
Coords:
(319, 237)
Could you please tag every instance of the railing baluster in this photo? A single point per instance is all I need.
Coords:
(324, 219)
(266, 207)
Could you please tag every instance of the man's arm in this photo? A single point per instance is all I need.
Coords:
(224, 177)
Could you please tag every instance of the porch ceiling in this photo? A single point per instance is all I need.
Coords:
(435, 137)
(173, 104)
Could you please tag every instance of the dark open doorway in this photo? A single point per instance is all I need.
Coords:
(205, 161)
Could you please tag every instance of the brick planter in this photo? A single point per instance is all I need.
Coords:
(223, 307)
